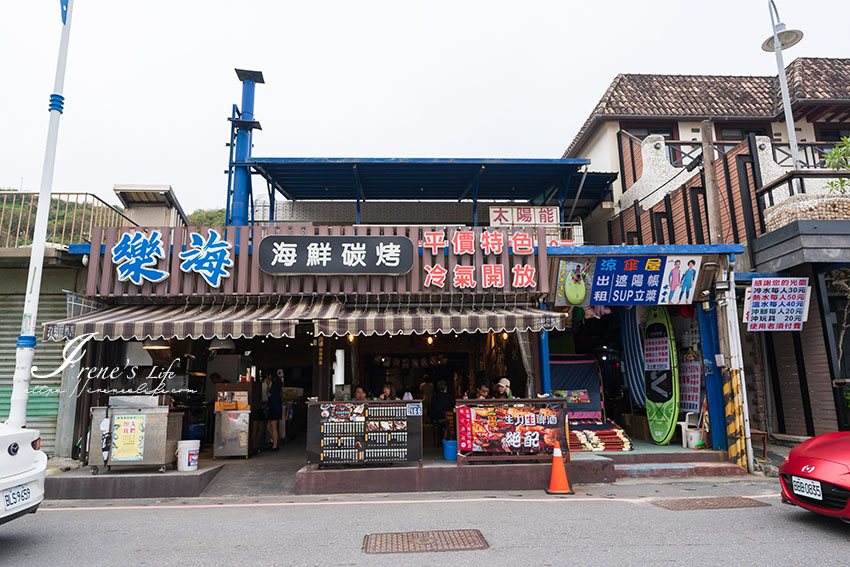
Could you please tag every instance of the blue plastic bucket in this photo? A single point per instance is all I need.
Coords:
(196, 432)
(450, 450)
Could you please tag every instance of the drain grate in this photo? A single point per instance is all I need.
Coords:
(719, 503)
(414, 542)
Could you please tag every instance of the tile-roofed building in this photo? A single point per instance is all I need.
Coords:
(720, 98)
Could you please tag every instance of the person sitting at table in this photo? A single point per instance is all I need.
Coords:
(360, 393)
(503, 389)
(483, 391)
(441, 404)
(389, 392)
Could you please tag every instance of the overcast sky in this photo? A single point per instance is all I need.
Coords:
(150, 84)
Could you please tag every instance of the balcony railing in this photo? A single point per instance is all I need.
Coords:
(811, 154)
(801, 195)
(680, 153)
(70, 219)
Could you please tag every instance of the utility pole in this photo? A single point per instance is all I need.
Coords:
(26, 341)
(712, 193)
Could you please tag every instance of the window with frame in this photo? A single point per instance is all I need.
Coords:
(831, 131)
(738, 132)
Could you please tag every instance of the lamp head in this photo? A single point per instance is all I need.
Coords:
(787, 38)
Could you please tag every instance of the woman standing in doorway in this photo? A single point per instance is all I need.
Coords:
(274, 409)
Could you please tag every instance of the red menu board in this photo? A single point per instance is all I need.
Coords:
(510, 429)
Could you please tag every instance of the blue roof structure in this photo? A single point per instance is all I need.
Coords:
(524, 180)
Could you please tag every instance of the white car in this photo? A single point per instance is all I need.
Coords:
(22, 468)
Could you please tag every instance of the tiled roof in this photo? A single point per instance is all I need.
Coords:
(710, 96)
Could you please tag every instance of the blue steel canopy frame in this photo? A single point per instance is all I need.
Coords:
(393, 179)
(436, 179)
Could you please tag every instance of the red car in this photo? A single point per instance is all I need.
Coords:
(816, 475)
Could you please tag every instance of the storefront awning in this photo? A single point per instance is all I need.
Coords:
(424, 320)
(141, 322)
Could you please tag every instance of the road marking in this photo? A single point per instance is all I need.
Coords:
(356, 503)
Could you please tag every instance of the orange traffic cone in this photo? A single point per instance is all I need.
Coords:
(559, 483)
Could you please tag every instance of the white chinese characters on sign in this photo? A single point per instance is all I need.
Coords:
(318, 253)
(389, 254)
(354, 254)
(285, 254)
(135, 256)
(209, 257)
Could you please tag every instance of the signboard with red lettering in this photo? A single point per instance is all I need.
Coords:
(778, 304)
(504, 215)
(656, 353)
(510, 429)
(490, 275)
(690, 386)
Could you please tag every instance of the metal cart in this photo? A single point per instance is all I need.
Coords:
(126, 436)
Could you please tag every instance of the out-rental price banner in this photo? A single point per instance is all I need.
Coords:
(510, 429)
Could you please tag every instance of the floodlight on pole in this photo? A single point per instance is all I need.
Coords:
(25, 350)
(783, 38)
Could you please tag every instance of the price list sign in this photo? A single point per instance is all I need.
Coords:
(348, 433)
(778, 304)
(690, 386)
(656, 353)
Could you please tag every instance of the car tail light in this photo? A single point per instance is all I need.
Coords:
(36, 444)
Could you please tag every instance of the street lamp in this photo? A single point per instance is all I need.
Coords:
(783, 39)
(26, 340)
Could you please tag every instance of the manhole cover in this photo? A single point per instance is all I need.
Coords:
(413, 542)
(680, 504)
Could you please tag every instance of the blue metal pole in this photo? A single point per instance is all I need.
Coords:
(545, 376)
(713, 380)
(239, 204)
(242, 171)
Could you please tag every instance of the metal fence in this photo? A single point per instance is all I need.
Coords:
(70, 219)
(810, 154)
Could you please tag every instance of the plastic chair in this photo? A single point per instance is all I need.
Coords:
(691, 419)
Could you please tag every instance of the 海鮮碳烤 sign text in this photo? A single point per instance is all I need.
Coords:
(343, 255)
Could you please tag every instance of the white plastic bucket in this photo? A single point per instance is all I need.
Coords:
(694, 437)
(187, 455)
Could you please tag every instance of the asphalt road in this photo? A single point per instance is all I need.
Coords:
(600, 525)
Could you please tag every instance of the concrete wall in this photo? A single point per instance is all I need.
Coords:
(152, 215)
(601, 150)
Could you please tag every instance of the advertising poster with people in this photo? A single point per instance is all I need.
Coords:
(678, 284)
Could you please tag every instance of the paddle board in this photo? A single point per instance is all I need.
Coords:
(661, 376)
(632, 358)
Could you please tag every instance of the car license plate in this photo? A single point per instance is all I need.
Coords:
(806, 487)
(17, 496)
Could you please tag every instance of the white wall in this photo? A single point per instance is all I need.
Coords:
(601, 150)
